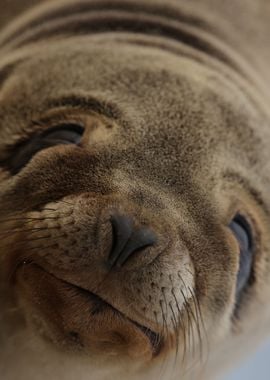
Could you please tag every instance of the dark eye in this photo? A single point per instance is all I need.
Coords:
(69, 133)
(242, 231)
(64, 134)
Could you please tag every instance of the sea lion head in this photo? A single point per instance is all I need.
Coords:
(134, 202)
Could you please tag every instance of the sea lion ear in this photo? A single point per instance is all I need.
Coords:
(61, 134)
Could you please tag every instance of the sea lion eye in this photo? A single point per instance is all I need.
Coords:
(64, 133)
(242, 232)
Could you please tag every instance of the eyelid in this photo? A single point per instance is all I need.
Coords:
(71, 128)
(63, 115)
(57, 119)
(24, 151)
(65, 126)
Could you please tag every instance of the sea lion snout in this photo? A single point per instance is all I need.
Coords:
(127, 239)
(110, 255)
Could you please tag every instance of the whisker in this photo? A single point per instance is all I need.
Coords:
(163, 289)
(195, 302)
(189, 271)
(176, 329)
(49, 209)
(190, 312)
(22, 242)
(182, 324)
(175, 324)
(9, 233)
(189, 321)
(165, 335)
(164, 325)
(158, 336)
(27, 210)
(189, 309)
(65, 202)
(203, 327)
(196, 320)
(164, 296)
(28, 219)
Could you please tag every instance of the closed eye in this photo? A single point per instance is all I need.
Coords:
(61, 134)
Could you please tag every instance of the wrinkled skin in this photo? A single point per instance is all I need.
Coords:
(177, 138)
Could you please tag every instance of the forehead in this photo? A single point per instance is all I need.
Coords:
(172, 108)
(120, 70)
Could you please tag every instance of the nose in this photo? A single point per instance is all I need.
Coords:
(128, 240)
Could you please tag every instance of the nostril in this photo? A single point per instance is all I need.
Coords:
(127, 239)
(122, 228)
(140, 239)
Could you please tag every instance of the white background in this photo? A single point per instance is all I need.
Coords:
(256, 367)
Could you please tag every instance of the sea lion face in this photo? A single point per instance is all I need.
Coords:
(122, 171)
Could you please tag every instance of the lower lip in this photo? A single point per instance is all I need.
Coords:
(154, 338)
(98, 305)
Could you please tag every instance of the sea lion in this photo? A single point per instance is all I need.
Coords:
(134, 187)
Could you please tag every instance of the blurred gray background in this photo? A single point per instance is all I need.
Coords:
(256, 367)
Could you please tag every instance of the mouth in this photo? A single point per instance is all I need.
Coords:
(100, 305)
(85, 314)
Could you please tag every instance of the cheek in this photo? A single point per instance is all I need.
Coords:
(216, 270)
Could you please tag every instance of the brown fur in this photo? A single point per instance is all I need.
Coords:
(174, 96)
